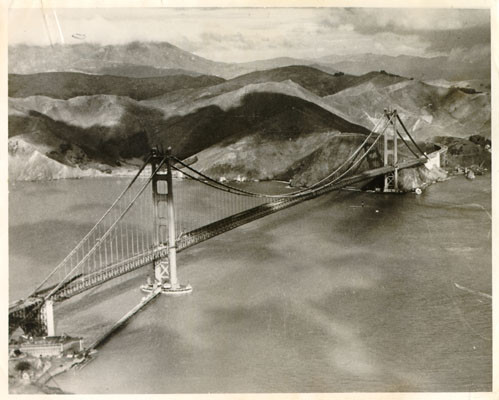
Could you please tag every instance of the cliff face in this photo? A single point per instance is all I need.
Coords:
(26, 163)
(412, 178)
(426, 110)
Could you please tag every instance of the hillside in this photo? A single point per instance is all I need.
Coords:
(184, 102)
(281, 123)
(271, 115)
(110, 128)
(301, 81)
(258, 157)
(127, 59)
(420, 68)
(25, 59)
(477, 85)
(119, 132)
(312, 79)
(65, 85)
(27, 163)
(426, 110)
(81, 111)
(125, 69)
(274, 63)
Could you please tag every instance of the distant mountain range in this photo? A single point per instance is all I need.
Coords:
(271, 121)
(421, 68)
(138, 59)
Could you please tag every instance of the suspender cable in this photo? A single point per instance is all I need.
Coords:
(72, 252)
(106, 234)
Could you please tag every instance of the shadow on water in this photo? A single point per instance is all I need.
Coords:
(106, 292)
(32, 188)
(46, 233)
(97, 208)
(363, 213)
(35, 248)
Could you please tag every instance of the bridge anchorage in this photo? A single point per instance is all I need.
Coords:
(164, 269)
(136, 232)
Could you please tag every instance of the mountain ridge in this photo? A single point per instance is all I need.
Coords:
(91, 57)
(65, 85)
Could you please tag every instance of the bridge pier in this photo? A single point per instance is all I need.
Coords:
(47, 314)
(35, 319)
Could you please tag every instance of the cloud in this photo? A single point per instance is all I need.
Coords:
(477, 54)
(440, 30)
(408, 21)
(233, 34)
(457, 38)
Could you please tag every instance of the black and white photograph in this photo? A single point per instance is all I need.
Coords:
(252, 199)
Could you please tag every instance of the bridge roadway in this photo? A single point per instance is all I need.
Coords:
(189, 239)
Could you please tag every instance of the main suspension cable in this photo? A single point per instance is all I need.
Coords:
(403, 140)
(231, 189)
(356, 163)
(97, 224)
(410, 137)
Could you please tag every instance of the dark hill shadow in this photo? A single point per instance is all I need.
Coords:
(66, 85)
(271, 116)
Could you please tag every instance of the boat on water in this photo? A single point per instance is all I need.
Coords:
(166, 288)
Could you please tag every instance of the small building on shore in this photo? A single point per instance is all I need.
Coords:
(52, 346)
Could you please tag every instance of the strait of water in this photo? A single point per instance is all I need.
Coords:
(348, 292)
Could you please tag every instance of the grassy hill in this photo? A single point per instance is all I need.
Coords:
(301, 81)
(312, 79)
(301, 159)
(123, 128)
(130, 70)
(65, 85)
(81, 111)
(426, 110)
(270, 115)
(126, 138)
(421, 68)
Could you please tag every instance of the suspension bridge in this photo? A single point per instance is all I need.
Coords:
(147, 225)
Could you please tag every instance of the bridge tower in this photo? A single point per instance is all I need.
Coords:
(165, 270)
(390, 156)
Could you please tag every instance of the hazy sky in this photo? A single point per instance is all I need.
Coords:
(245, 34)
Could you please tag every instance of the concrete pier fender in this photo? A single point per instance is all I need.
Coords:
(178, 290)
